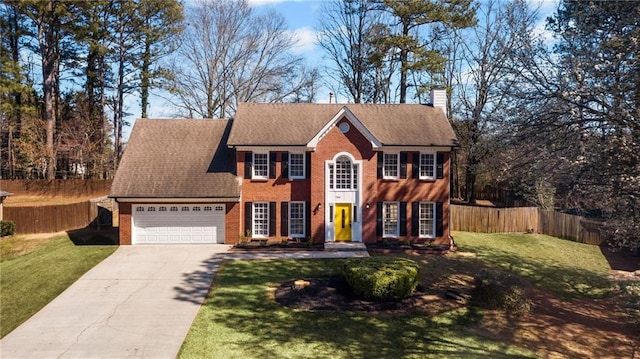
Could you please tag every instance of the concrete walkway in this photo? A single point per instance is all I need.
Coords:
(138, 303)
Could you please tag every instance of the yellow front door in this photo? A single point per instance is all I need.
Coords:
(342, 220)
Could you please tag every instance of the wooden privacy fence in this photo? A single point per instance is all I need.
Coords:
(571, 227)
(45, 219)
(525, 219)
(57, 188)
(493, 220)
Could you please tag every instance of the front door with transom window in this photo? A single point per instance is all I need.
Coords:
(342, 222)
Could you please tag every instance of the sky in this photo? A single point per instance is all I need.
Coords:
(302, 18)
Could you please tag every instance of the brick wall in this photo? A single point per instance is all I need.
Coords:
(124, 219)
(373, 190)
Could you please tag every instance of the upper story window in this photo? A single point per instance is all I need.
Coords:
(296, 165)
(391, 166)
(427, 166)
(343, 175)
(260, 166)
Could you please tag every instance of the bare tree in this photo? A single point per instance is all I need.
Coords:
(581, 102)
(229, 55)
(484, 70)
(345, 33)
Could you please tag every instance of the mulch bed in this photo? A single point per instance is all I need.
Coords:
(276, 247)
(414, 248)
(333, 294)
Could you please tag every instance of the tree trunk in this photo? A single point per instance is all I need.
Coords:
(48, 41)
(144, 74)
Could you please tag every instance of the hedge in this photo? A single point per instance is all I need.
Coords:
(7, 228)
(381, 278)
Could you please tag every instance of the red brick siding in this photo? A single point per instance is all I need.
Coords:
(232, 223)
(415, 190)
(272, 190)
(373, 190)
(124, 210)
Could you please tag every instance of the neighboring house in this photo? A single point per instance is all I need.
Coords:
(328, 172)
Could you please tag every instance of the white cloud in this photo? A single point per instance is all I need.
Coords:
(305, 37)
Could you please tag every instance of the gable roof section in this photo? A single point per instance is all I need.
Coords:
(298, 124)
(177, 159)
(345, 113)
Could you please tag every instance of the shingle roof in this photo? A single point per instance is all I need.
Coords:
(296, 124)
(177, 159)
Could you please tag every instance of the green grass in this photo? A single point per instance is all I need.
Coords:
(29, 281)
(240, 320)
(568, 269)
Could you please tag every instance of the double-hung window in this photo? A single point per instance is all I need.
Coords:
(427, 166)
(426, 219)
(260, 220)
(390, 220)
(391, 166)
(296, 165)
(296, 219)
(260, 166)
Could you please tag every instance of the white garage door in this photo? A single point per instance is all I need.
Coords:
(183, 223)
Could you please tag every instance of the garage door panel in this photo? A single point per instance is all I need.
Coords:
(178, 224)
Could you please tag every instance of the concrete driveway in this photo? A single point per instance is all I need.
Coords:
(139, 303)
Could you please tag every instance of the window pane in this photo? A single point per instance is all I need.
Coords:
(343, 173)
(261, 219)
(427, 165)
(390, 219)
(390, 165)
(296, 165)
(427, 214)
(296, 219)
(331, 179)
(355, 176)
(260, 165)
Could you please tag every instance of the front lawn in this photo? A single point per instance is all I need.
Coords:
(240, 319)
(33, 271)
(568, 269)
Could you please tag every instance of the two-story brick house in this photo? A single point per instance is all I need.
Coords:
(328, 172)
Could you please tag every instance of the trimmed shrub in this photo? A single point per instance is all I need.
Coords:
(381, 278)
(7, 228)
(500, 290)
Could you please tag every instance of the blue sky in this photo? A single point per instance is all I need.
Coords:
(302, 19)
